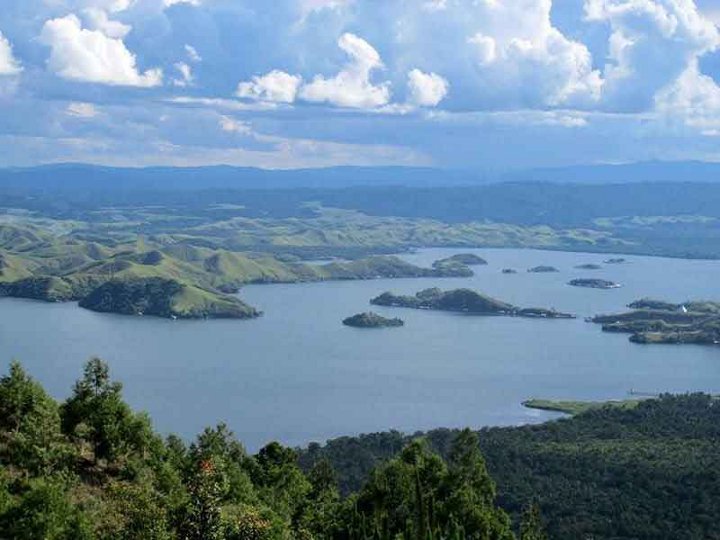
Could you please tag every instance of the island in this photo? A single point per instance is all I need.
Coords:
(659, 322)
(594, 284)
(464, 301)
(542, 269)
(589, 266)
(509, 271)
(616, 260)
(372, 320)
(468, 259)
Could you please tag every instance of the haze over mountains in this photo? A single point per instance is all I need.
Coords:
(81, 176)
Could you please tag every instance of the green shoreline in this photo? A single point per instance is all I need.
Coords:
(574, 408)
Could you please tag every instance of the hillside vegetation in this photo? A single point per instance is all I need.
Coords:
(90, 468)
(638, 471)
(174, 280)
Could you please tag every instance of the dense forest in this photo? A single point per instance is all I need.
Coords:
(91, 468)
(647, 472)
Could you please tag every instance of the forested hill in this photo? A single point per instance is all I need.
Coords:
(90, 468)
(645, 473)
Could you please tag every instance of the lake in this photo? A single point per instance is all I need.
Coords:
(297, 375)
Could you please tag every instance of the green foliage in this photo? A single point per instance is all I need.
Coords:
(29, 423)
(96, 414)
(531, 526)
(203, 517)
(417, 496)
(644, 473)
(45, 510)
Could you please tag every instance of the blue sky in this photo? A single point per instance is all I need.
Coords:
(484, 84)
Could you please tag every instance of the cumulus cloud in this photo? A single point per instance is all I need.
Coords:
(520, 54)
(652, 44)
(427, 89)
(352, 86)
(85, 55)
(693, 99)
(97, 19)
(275, 87)
(8, 64)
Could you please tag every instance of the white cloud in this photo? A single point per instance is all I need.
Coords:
(8, 64)
(275, 87)
(81, 110)
(186, 75)
(310, 6)
(352, 86)
(693, 99)
(427, 89)
(486, 48)
(97, 19)
(521, 56)
(192, 54)
(652, 44)
(168, 3)
(435, 5)
(91, 56)
(231, 125)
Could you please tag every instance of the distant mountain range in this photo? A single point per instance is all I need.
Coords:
(91, 177)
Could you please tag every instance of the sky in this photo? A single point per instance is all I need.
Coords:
(464, 84)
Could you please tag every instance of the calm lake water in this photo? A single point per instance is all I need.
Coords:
(297, 375)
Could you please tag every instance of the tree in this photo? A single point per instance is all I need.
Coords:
(142, 512)
(531, 527)
(229, 457)
(30, 420)
(203, 515)
(471, 491)
(96, 413)
(320, 512)
(45, 511)
(280, 483)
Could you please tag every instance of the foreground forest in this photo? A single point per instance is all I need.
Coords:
(91, 468)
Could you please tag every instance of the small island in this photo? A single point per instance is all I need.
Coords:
(468, 259)
(589, 266)
(372, 320)
(509, 271)
(542, 269)
(658, 322)
(594, 284)
(617, 260)
(464, 301)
